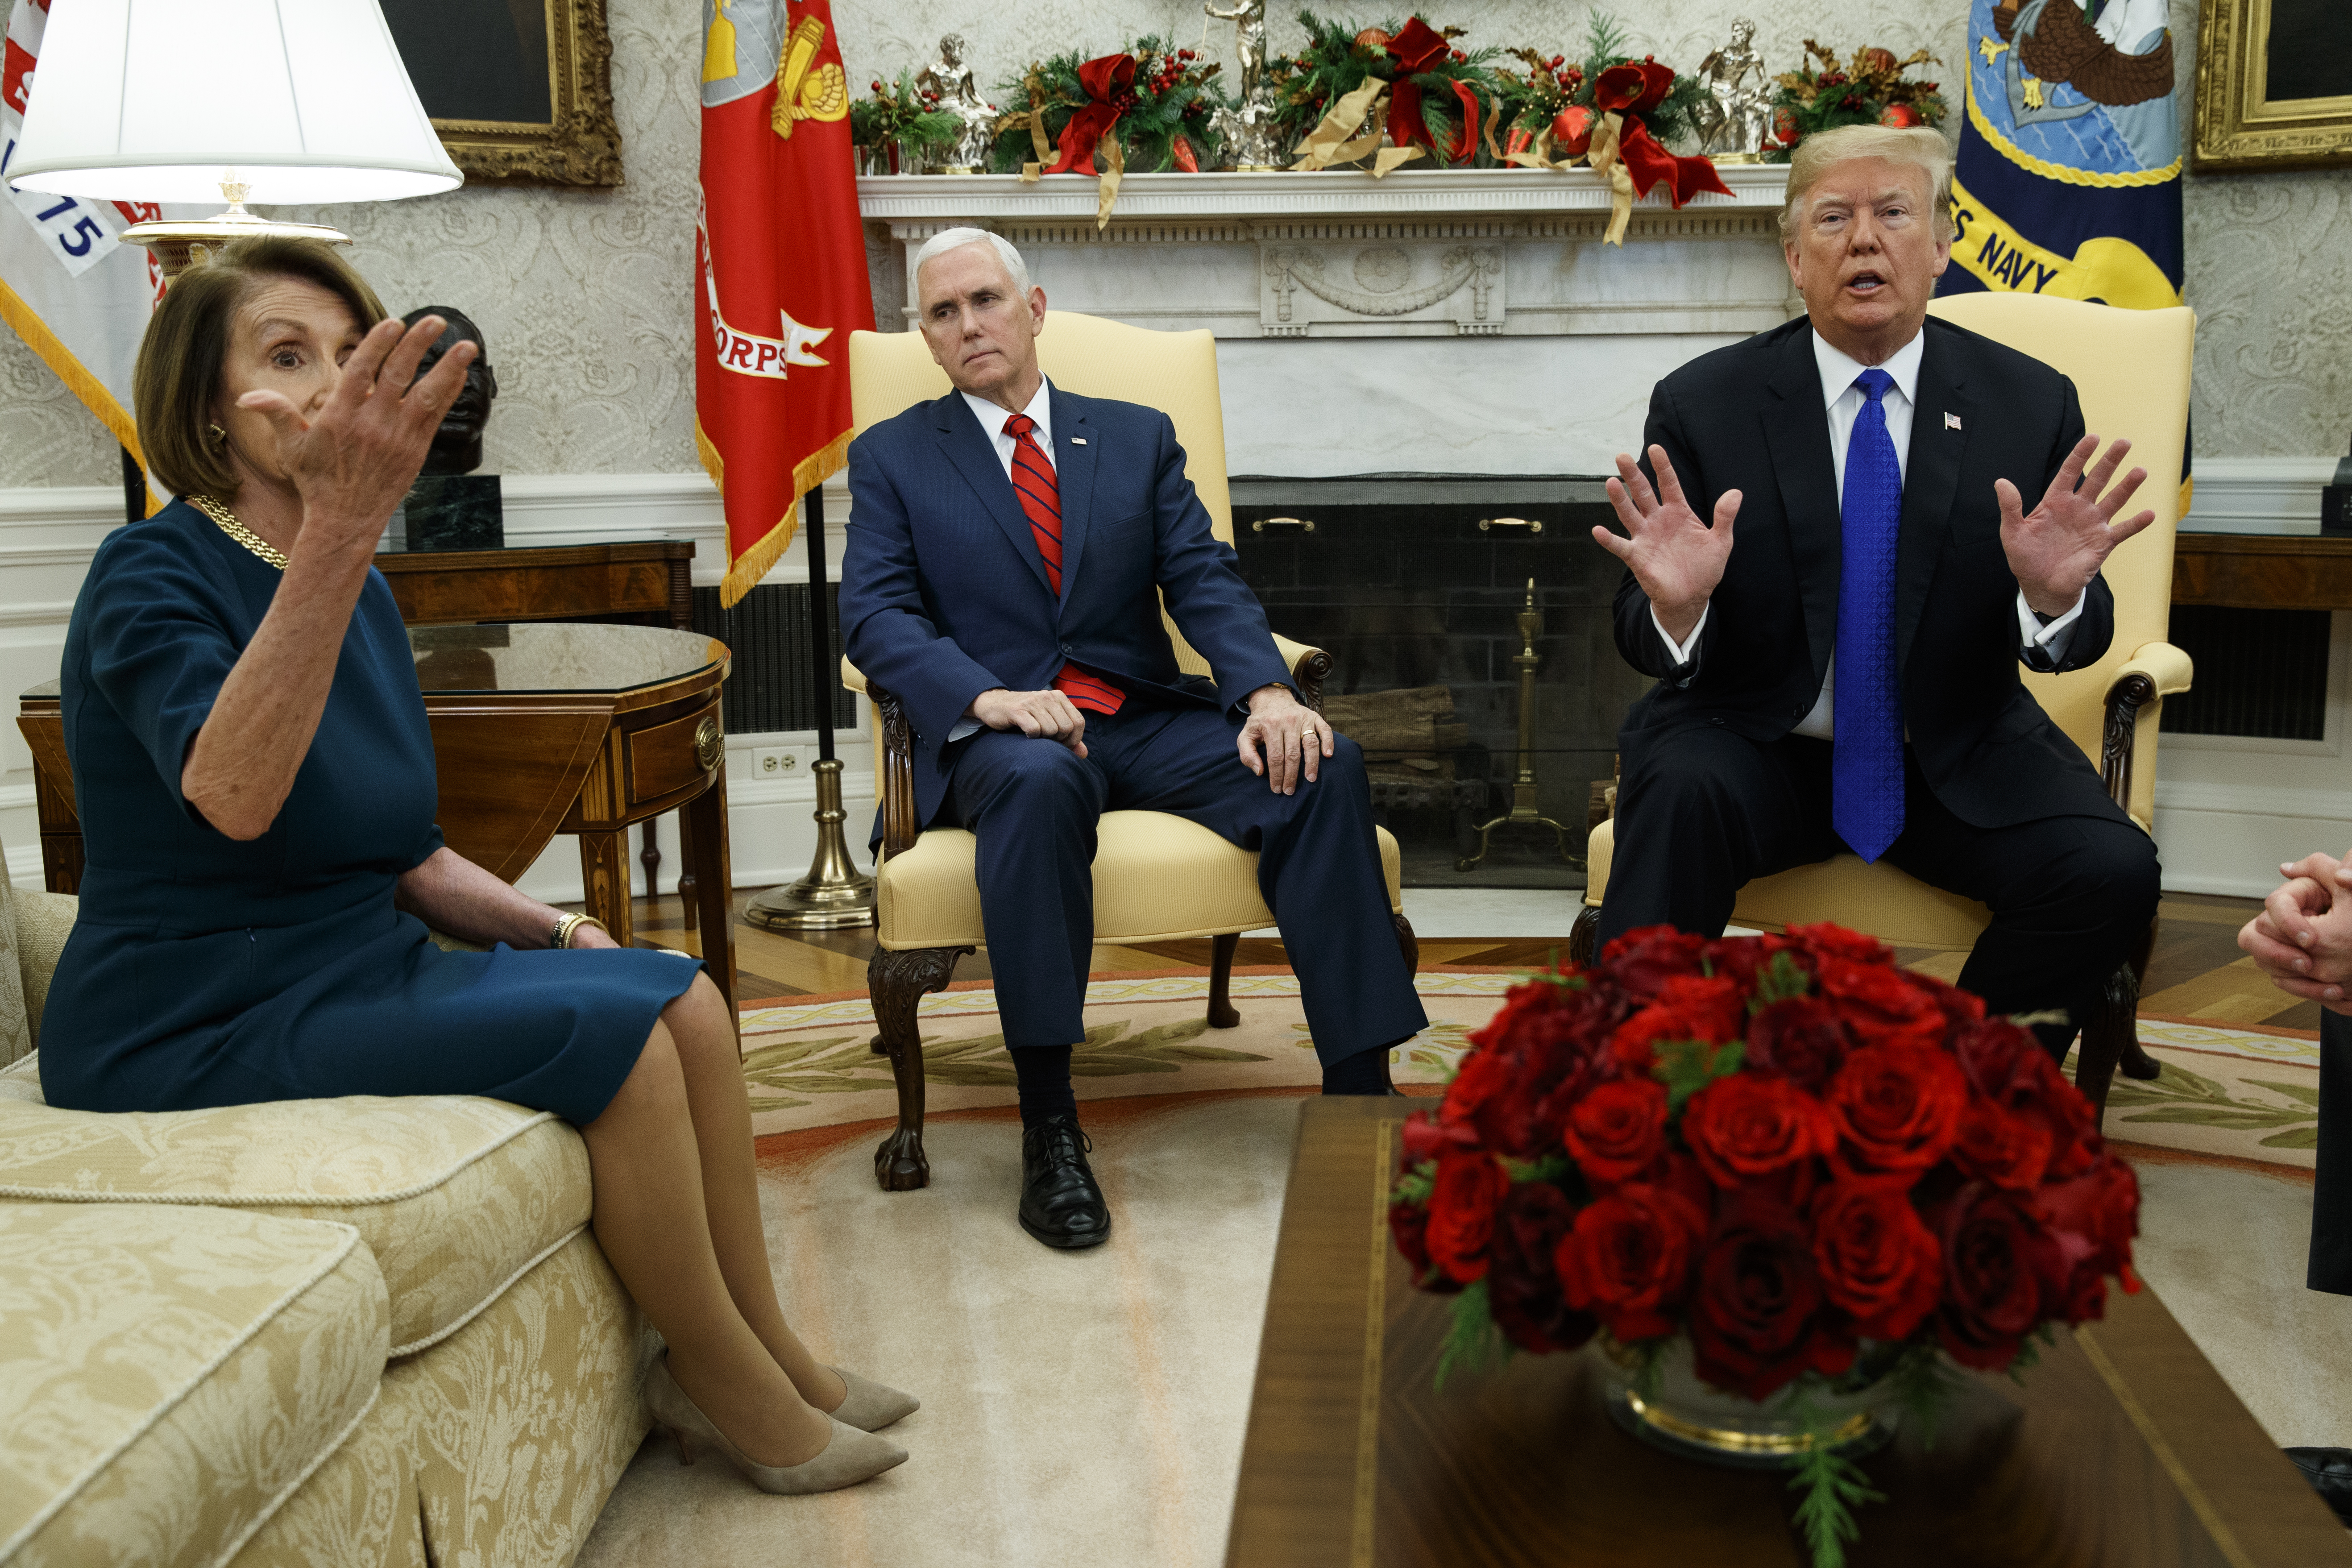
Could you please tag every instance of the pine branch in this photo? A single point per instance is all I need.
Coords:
(1473, 1344)
(1925, 1385)
(1831, 1486)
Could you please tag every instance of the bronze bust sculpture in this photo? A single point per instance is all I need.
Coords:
(450, 506)
(457, 445)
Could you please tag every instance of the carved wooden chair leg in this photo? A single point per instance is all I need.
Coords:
(897, 982)
(1582, 935)
(2136, 1063)
(1222, 1012)
(1407, 943)
(2112, 1023)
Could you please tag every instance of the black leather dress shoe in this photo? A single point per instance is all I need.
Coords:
(1060, 1205)
(2329, 1472)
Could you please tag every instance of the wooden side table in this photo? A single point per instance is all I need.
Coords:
(538, 729)
(2124, 1448)
(2263, 571)
(647, 581)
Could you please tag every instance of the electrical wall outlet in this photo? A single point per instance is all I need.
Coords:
(779, 761)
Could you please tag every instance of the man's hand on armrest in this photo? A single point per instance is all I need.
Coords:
(1294, 737)
(1046, 715)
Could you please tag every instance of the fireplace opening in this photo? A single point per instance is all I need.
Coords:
(1423, 589)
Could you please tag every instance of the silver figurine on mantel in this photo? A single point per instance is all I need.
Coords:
(1735, 114)
(1248, 131)
(951, 77)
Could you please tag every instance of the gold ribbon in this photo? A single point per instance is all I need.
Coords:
(1332, 143)
(1034, 118)
(1602, 156)
(1114, 165)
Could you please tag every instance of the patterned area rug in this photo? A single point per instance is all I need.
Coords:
(810, 1063)
(2229, 1096)
(2243, 1095)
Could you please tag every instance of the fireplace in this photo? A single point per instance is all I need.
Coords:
(1415, 585)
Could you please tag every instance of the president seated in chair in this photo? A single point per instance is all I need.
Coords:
(1010, 547)
(1838, 653)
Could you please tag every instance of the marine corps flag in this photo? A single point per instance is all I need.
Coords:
(2068, 177)
(778, 270)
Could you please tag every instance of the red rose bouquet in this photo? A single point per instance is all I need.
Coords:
(1807, 1166)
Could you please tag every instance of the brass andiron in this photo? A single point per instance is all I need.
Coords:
(834, 893)
(1523, 812)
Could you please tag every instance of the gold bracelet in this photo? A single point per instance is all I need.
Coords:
(570, 927)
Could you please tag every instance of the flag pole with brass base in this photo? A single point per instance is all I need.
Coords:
(835, 894)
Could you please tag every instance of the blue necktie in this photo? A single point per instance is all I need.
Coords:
(1866, 757)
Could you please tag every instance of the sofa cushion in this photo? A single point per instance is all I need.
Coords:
(456, 1195)
(172, 1375)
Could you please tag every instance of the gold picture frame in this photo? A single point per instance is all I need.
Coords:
(2239, 125)
(446, 44)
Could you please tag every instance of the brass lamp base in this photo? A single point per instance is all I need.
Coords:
(835, 894)
(179, 244)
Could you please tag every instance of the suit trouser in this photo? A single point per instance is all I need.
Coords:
(1703, 812)
(1033, 804)
(2330, 1268)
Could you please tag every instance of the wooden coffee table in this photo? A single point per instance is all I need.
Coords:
(2123, 1449)
(538, 729)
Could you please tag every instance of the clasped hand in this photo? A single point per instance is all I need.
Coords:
(2303, 938)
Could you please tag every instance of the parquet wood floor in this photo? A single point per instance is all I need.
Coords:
(2197, 971)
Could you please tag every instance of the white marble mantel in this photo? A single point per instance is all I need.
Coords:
(1450, 321)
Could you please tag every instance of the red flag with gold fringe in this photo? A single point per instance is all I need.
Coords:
(779, 270)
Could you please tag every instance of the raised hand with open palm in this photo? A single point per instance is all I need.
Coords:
(1673, 553)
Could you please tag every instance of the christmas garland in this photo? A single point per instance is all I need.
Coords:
(896, 111)
(1439, 90)
(1868, 90)
(1552, 87)
(1163, 116)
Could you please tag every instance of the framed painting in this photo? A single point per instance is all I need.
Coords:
(2273, 85)
(520, 91)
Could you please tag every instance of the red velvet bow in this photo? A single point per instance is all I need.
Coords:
(1104, 79)
(1635, 87)
(1648, 161)
(1414, 50)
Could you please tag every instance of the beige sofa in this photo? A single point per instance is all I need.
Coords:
(351, 1332)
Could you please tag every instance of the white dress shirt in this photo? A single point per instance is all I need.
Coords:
(991, 418)
(1844, 401)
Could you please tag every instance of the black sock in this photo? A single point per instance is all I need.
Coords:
(1366, 1072)
(1043, 1073)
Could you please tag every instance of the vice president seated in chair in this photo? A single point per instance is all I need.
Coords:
(1849, 534)
(1011, 545)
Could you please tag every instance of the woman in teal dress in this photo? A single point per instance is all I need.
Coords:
(255, 784)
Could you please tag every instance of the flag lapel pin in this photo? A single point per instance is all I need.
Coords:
(1952, 421)
(1077, 440)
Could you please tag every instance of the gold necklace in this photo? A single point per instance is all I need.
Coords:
(238, 532)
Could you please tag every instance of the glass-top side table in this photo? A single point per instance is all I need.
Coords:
(538, 728)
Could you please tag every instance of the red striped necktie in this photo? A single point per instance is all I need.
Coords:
(1041, 502)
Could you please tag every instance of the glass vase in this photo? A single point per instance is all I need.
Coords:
(1677, 1412)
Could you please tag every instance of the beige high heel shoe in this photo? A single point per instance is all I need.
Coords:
(869, 1407)
(849, 1458)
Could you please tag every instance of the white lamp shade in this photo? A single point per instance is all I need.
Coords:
(157, 101)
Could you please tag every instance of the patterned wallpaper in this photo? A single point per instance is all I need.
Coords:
(585, 295)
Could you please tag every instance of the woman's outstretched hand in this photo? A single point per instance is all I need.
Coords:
(354, 457)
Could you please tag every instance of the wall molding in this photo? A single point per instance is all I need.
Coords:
(2258, 495)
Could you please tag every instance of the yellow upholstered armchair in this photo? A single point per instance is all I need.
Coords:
(1156, 877)
(2131, 370)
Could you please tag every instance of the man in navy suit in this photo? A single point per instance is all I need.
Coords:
(1841, 671)
(1010, 546)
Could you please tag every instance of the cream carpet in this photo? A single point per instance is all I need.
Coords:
(1089, 1408)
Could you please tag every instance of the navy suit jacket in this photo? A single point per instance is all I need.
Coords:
(944, 596)
(1749, 418)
